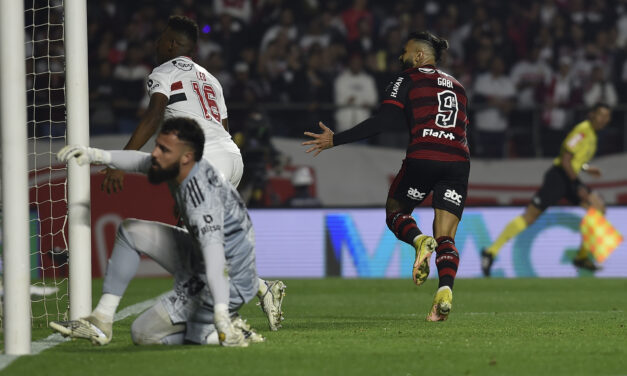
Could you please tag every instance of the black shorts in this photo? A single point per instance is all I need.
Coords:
(418, 177)
(556, 185)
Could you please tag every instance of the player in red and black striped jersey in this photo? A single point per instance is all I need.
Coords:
(433, 105)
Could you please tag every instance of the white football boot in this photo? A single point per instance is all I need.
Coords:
(249, 333)
(91, 328)
(271, 302)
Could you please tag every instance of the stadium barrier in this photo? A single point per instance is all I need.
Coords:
(356, 243)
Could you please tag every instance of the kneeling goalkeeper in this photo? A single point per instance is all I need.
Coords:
(212, 259)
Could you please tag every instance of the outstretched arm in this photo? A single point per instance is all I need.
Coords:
(126, 160)
(387, 114)
(148, 125)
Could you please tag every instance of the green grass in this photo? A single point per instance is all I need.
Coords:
(377, 327)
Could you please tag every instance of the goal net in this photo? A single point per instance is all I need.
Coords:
(46, 111)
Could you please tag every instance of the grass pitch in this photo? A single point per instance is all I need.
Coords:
(377, 327)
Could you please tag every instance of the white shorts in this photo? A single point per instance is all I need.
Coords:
(229, 164)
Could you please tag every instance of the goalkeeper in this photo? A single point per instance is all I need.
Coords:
(212, 260)
(562, 181)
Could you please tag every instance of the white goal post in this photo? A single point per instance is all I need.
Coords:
(16, 231)
(79, 213)
(15, 227)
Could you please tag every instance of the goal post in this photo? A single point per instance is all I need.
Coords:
(15, 217)
(45, 208)
(79, 213)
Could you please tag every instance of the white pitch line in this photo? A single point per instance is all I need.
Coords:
(56, 338)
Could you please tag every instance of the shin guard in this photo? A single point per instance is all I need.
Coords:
(447, 261)
(403, 226)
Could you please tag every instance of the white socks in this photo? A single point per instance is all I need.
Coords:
(108, 304)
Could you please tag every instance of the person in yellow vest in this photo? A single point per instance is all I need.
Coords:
(562, 181)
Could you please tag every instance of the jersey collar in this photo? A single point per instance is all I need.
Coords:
(428, 66)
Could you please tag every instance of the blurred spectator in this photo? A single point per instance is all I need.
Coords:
(302, 180)
(585, 59)
(353, 16)
(494, 96)
(315, 35)
(364, 42)
(285, 27)
(529, 76)
(215, 66)
(242, 10)
(559, 98)
(355, 93)
(129, 77)
(228, 33)
(258, 154)
(311, 86)
(101, 97)
(390, 50)
(599, 89)
(332, 21)
(206, 45)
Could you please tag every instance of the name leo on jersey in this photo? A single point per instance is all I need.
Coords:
(438, 134)
(445, 82)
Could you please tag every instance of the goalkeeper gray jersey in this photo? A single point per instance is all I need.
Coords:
(214, 212)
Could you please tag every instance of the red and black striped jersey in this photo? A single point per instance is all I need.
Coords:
(435, 106)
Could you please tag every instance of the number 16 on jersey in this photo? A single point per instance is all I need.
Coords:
(207, 98)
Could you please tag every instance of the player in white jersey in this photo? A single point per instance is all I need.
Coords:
(212, 260)
(178, 87)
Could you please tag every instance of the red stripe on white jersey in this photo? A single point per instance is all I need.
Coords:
(178, 85)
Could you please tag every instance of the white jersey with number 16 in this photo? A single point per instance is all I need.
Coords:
(194, 93)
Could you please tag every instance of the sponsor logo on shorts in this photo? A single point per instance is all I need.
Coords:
(437, 134)
(208, 218)
(414, 194)
(451, 196)
(182, 65)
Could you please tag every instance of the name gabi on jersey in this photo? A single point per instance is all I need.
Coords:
(397, 85)
(445, 82)
(437, 134)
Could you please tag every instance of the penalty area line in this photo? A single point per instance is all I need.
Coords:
(56, 338)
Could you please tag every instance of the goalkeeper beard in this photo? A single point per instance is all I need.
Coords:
(158, 174)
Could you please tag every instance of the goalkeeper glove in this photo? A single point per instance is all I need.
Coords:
(84, 155)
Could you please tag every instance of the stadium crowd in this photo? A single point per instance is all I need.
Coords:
(530, 68)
